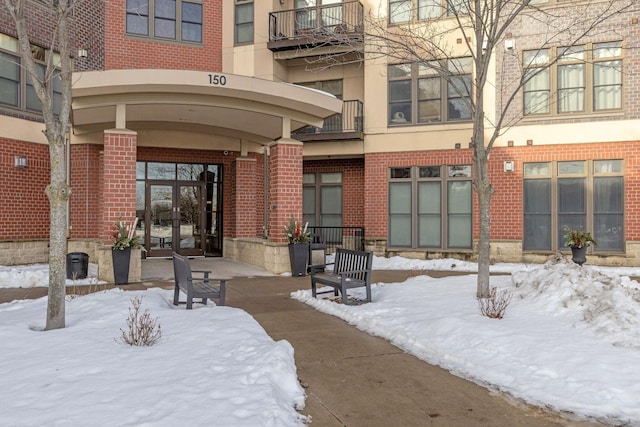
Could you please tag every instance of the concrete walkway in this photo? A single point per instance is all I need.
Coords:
(351, 378)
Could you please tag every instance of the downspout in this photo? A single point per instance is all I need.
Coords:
(68, 179)
(265, 172)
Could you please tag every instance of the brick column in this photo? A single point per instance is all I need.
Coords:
(118, 180)
(285, 186)
(245, 197)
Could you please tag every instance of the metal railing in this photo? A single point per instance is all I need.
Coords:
(338, 18)
(340, 237)
(350, 120)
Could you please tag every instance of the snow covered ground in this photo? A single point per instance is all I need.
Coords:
(569, 340)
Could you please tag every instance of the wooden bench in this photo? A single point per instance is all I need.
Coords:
(200, 287)
(351, 269)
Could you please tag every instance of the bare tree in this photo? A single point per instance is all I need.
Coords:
(477, 29)
(57, 67)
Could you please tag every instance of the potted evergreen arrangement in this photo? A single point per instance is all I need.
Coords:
(578, 241)
(298, 237)
(124, 239)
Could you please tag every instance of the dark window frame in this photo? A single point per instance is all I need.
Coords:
(587, 58)
(248, 25)
(421, 10)
(568, 174)
(145, 12)
(404, 105)
(415, 179)
(25, 91)
(315, 217)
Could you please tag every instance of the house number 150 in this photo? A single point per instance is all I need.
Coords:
(217, 79)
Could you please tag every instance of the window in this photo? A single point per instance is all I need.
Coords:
(571, 80)
(16, 89)
(457, 7)
(607, 76)
(164, 23)
(138, 17)
(322, 199)
(586, 79)
(438, 99)
(244, 22)
(333, 123)
(10, 79)
(399, 11)
(192, 22)
(536, 89)
(178, 20)
(585, 195)
(405, 10)
(431, 207)
(429, 9)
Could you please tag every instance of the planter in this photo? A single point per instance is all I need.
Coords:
(298, 254)
(579, 255)
(121, 261)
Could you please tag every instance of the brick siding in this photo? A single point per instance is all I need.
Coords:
(132, 52)
(285, 187)
(86, 191)
(25, 207)
(507, 201)
(119, 190)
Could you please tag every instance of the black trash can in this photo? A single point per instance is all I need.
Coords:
(77, 265)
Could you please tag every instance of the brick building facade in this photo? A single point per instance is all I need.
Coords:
(199, 134)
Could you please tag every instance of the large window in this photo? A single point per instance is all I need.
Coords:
(405, 10)
(16, 88)
(587, 195)
(244, 22)
(586, 78)
(178, 20)
(322, 199)
(418, 94)
(430, 207)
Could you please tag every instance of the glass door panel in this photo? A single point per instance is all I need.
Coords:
(175, 216)
(140, 212)
(213, 211)
(160, 212)
(190, 228)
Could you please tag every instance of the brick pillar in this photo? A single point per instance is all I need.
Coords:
(285, 186)
(118, 180)
(245, 197)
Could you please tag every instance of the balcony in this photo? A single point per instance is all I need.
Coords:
(329, 25)
(345, 126)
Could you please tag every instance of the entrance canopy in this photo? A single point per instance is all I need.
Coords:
(224, 104)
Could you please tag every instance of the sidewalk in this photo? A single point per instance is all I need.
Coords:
(351, 378)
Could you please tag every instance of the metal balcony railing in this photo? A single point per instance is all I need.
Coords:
(311, 26)
(340, 237)
(346, 125)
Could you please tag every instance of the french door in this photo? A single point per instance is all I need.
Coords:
(174, 218)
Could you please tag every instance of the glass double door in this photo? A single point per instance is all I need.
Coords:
(174, 217)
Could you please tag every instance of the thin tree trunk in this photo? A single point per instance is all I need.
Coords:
(56, 127)
(484, 189)
(58, 194)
